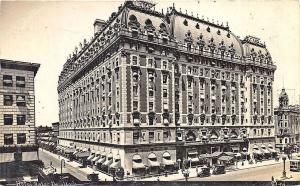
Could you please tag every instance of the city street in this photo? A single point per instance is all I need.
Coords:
(46, 158)
(253, 174)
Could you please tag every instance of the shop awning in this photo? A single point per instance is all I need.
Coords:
(194, 159)
(137, 165)
(229, 153)
(216, 154)
(166, 161)
(108, 162)
(136, 157)
(116, 164)
(256, 151)
(265, 151)
(96, 158)
(101, 160)
(152, 156)
(91, 157)
(70, 150)
(205, 156)
(225, 158)
(153, 163)
(83, 154)
(193, 153)
(270, 149)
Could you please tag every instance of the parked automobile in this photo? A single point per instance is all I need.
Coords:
(219, 169)
(203, 171)
(295, 165)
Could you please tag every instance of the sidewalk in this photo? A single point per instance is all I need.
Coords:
(86, 170)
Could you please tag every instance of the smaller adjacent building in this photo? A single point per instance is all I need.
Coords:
(287, 118)
(18, 144)
(47, 137)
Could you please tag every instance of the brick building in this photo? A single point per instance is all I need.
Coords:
(18, 147)
(151, 88)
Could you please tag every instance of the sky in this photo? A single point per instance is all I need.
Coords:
(46, 32)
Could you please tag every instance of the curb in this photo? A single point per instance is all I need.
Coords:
(253, 167)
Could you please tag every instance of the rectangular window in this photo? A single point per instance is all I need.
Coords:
(21, 138)
(118, 138)
(151, 136)
(165, 79)
(7, 80)
(8, 100)
(165, 65)
(134, 60)
(158, 136)
(8, 119)
(165, 93)
(135, 105)
(20, 81)
(151, 93)
(166, 135)
(20, 100)
(8, 139)
(150, 106)
(135, 91)
(21, 119)
(150, 63)
(136, 136)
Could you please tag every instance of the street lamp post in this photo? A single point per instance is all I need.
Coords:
(284, 172)
(62, 163)
(179, 161)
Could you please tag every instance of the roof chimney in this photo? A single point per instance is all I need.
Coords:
(98, 25)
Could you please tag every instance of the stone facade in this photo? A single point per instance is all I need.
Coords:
(171, 83)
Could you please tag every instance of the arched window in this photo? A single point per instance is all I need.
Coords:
(148, 22)
(132, 18)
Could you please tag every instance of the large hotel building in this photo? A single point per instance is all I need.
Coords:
(151, 88)
(18, 146)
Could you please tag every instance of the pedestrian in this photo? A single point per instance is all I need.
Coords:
(158, 178)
